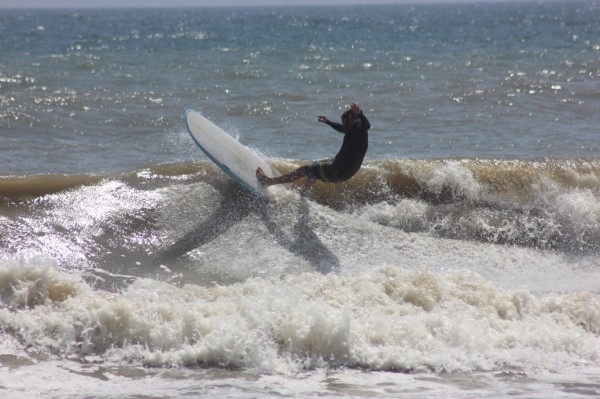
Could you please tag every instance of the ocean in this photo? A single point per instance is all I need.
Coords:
(462, 261)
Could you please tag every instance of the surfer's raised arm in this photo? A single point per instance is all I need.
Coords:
(348, 118)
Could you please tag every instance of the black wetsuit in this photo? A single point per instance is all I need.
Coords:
(349, 158)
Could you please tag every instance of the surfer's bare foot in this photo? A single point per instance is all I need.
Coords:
(263, 179)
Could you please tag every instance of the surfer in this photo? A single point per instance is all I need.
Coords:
(346, 163)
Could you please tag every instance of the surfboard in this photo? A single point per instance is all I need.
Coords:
(234, 158)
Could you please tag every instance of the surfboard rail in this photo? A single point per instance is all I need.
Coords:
(231, 156)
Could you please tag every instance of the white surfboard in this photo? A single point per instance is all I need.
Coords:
(237, 160)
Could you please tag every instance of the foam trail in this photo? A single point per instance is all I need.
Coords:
(386, 320)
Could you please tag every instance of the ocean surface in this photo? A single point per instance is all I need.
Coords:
(462, 261)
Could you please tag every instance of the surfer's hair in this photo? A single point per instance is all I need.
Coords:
(349, 114)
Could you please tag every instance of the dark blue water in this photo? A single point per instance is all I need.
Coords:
(107, 90)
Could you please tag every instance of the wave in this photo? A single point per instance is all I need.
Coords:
(445, 181)
(546, 204)
(403, 268)
(22, 187)
(431, 180)
(388, 320)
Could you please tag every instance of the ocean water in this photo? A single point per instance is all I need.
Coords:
(462, 261)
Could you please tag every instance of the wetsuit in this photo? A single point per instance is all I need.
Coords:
(350, 157)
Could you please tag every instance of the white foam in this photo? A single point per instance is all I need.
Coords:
(388, 319)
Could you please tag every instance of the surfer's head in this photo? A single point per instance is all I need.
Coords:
(347, 118)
